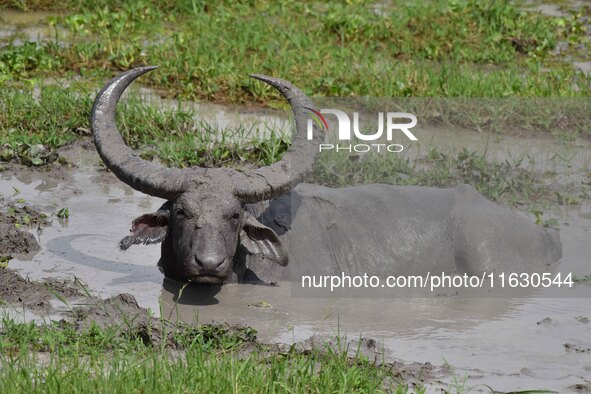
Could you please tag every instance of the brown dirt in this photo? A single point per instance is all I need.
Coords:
(25, 293)
(122, 310)
(16, 213)
(577, 348)
(55, 171)
(581, 388)
(69, 154)
(14, 241)
(16, 220)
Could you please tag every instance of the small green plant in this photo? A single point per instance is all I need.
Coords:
(4, 260)
(63, 213)
(20, 214)
(552, 222)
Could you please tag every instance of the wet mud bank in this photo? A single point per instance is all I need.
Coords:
(25, 294)
(16, 219)
(123, 313)
(15, 241)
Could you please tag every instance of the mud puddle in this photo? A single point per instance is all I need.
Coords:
(538, 152)
(507, 343)
(255, 123)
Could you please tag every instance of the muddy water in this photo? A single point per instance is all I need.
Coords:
(24, 27)
(540, 153)
(86, 246)
(497, 341)
(256, 123)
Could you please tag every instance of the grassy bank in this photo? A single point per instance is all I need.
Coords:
(33, 125)
(59, 358)
(359, 48)
(207, 49)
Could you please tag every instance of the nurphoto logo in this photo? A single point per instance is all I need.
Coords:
(348, 130)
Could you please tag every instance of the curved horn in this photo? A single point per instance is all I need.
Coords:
(268, 182)
(142, 175)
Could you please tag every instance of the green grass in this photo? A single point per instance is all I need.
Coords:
(506, 182)
(207, 49)
(52, 120)
(57, 358)
(31, 128)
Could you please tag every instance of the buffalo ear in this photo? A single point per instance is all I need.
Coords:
(260, 239)
(147, 229)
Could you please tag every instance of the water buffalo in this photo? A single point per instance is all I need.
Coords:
(212, 220)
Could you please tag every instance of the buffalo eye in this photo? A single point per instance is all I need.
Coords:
(179, 212)
(236, 216)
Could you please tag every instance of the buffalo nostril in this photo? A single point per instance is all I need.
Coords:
(198, 262)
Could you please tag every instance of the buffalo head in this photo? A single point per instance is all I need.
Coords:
(203, 220)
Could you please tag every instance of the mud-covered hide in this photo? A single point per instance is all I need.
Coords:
(400, 230)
